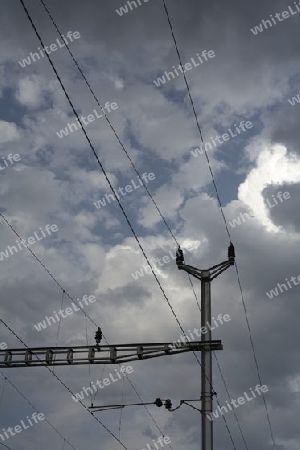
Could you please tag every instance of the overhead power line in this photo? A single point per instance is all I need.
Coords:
(36, 410)
(137, 172)
(107, 179)
(97, 158)
(65, 386)
(223, 215)
(64, 291)
(100, 164)
(109, 123)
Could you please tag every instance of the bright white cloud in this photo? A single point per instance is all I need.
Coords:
(274, 167)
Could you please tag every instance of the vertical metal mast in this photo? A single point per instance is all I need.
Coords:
(206, 362)
(206, 276)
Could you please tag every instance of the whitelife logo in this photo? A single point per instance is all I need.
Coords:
(86, 120)
(226, 137)
(267, 23)
(274, 292)
(33, 57)
(11, 158)
(292, 101)
(124, 9)
(31, 240)
(68, 312)
(162, 440)
(146, 177)
(221, 410)
(199, 331)
(102, 383)
(12, 431)
(182, 69)
(243, 217)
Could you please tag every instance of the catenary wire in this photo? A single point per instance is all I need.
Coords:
(82, 310)
(35, 409)
(64, 385)
(99, 163)
(107, 179)
(6, 446)
(132, 163)
(223, 215)
(104, 172)
(109, 123)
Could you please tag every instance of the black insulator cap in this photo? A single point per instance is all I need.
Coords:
(158, 402)
(168, 404)
(179, 256)
(231, 253)
(98, 335)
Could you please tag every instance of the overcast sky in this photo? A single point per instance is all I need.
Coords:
(56, 180)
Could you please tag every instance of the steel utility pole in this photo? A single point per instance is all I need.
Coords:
(206, 276)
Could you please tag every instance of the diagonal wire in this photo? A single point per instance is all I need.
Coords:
(103, 170)
(35, 409)
(224, 218)
(99, 163)
(83, 311)
(224, 381)
(120, 142)
(65, 386)
(109, 123)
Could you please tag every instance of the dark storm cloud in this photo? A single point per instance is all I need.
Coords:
(250, 76)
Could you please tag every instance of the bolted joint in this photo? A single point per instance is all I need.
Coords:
(231, 254)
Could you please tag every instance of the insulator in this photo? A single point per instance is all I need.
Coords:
(231, 253)
(98, 335)
(179, 256)
(168, 404)
(158, 402)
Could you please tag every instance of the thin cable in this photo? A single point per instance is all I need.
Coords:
(109, 123)
(123, 148)
(121, 144)
(100, 164)
(102, 168)
(228, 393)
(195, 114)
(223, 215)
(82, 310)
(103, 171)
(115, 133)
(254, 356)
(65, 386)
(222, 376)
(97, 390)
(35, 409)
(4, 445)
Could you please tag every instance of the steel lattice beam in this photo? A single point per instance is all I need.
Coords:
(102, 354)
